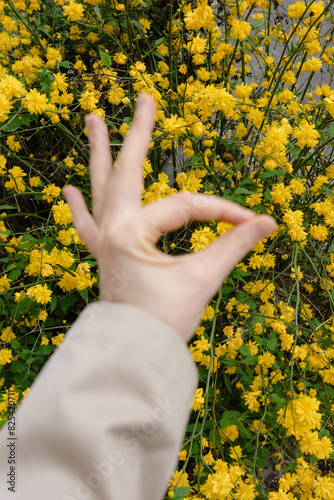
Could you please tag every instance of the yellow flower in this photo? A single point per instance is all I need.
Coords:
(201, 238)
(68, 236)
(208, 458)
(251, 400)
(297, 186)
(7, 334)
(53, 56)
(312, 65)
(146, 24)
(320, 181)
(281, 193)
(208, 313)
(196, 45)
(255, 261)
(217, 486)
(198, 400)
(299, 273)
(13, 144)
(296, 10)
(42, 315)
(236, 453)
(289, 77)
(35, 102)
(231, 433)
(183, 69)
(74, 11)
(300, 415)
(120, 58)
(50, 192)
(40, 293)
(241, 131)
(5, 107)
(35, 181)
(11, 87)
(62, 213)
(162, 49)
(240, 29)
(57, 339)
(306, 134)
(16, 182)
(201, 17)
(88, 100)
(40, 262)
(5, 356)
(4, 283)
(67, 282)
(319, 232)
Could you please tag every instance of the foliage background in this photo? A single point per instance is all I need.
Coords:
(239, 116)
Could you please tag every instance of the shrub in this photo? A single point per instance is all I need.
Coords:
(239, 115)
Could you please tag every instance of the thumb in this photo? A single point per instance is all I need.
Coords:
(223, 254)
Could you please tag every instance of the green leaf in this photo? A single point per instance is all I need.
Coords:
(68, 302)
(44, 350)
(224, 423)
(271, 343)
(15, 344)
(274, 398)
(245, 350)
(17, 366)
(181, 493)
(330, 131)
(326, 190)
(7, 207)
(243, 431)
(239, 165)
(241, 190)
(105, 58)
(262, 458)
(66, 64)
(97, 11)
(229, 362)
(84, 294)
(53, 304)
(13, 275)
(137, 24)
(250, 360)
(215, 437)
(271, 173)
(17, 122)
(229, 417)
(257, 23)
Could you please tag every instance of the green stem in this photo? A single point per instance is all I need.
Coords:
(32, 32)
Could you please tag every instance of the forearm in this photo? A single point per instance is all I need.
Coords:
(106, 417)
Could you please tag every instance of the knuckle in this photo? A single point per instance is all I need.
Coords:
(202, 277)
(185, 202)
(119, 234)
(98, 137)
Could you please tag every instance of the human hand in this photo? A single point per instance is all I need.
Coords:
(122, 234)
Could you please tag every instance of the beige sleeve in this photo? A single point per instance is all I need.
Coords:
(105, 419)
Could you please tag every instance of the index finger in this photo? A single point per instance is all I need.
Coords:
(126, 184)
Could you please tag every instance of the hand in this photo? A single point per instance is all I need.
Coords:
(122, 234)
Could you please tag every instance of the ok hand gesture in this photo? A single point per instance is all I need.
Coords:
(122, 234)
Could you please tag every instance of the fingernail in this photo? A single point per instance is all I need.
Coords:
(88, 121)
(141, 99)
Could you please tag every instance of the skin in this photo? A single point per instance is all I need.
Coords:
(122, 234)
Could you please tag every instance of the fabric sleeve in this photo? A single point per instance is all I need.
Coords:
(106, 417)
